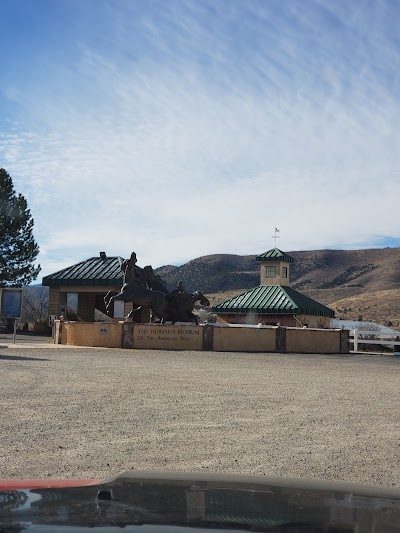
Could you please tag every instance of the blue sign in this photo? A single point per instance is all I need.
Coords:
(11, 303)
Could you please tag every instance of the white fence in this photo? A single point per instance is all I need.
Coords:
(392, 340)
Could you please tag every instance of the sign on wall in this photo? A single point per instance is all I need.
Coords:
(171, 337)
(10, 303)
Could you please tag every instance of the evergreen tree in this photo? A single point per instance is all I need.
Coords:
(18, 248)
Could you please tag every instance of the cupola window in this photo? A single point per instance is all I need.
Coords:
(270, 271)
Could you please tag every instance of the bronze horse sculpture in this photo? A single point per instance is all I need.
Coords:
(168, 307)
(145, 288)
(180, 306)
(139, 295)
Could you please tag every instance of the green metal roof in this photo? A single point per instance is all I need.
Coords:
(275, 255)
(273, 300)
(103, 271)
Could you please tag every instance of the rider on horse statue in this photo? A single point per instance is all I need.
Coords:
(143, 286)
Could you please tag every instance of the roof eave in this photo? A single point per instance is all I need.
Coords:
(247, 311)
(81, 282)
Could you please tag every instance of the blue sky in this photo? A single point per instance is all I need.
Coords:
(186, 128)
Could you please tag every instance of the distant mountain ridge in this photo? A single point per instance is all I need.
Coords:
(326, 271)
(213, 273)
(337, 278)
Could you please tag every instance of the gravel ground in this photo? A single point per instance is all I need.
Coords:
(91, 413)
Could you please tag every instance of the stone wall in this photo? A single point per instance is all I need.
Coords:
(275, 339)
(305, 340)
(97, 334)
(230, 339)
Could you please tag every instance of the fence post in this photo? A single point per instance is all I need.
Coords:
(355, 347)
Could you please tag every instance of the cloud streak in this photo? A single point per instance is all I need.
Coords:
(193, 128)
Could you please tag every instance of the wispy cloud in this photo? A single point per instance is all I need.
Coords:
(196, 128)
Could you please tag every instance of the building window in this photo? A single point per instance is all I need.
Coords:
(270, 272)
(284, 272)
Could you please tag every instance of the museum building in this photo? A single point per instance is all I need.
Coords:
(274, 302)
(90, 280)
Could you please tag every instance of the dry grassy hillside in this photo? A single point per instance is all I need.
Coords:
(346, 272)
(378, 306)
(365, 281)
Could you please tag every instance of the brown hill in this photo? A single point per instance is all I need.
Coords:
(329, 276)
(382, 307)
(214, 273)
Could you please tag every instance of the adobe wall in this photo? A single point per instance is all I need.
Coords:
(208, 337)
(97, 334)
(245, 339)
(306, 340)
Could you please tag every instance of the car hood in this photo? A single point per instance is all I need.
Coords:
(157, 501)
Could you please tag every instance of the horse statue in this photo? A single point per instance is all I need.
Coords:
(144, 287)
(180, 306)
(140, 295)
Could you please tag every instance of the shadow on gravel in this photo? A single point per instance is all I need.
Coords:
(25, 338)
(21, 358)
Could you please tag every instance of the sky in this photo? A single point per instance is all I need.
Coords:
(192, 127)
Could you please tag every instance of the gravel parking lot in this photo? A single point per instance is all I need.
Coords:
(91, 413)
